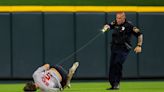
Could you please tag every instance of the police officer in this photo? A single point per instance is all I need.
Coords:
(121, 46)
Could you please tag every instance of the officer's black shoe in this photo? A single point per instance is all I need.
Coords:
(112, 88)
(116, 87)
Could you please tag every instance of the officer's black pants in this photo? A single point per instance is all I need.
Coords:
(118, 56)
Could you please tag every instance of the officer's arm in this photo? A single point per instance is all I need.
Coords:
(139, 35)
(140, 40)
(137, 32)
(108, 26)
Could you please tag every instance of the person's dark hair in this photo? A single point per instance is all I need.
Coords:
(29, 87)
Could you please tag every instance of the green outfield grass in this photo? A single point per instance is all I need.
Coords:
(83, 2)
(126, 86)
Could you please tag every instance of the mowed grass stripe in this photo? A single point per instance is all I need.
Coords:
(126, 86)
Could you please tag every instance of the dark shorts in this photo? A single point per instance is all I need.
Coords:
(63, 73)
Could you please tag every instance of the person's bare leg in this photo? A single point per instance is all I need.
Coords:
(71, 73)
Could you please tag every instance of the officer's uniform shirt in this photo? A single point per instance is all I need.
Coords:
(122, 34)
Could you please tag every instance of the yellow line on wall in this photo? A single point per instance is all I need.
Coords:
(81, 8)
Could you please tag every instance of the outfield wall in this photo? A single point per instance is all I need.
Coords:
(30, 39)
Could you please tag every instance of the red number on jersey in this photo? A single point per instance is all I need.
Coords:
(46, 78)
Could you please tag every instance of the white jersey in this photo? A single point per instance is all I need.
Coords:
(47, 80)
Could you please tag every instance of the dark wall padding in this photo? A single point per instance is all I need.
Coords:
(27, 43)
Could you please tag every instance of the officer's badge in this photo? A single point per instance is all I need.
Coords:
(122, 29)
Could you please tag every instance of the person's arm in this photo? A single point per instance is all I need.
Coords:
(108, 26)
(46, 66)
(41, 69)
(139, 35)
(140, 40)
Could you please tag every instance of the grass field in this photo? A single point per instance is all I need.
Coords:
(84, 2)
(126, 86)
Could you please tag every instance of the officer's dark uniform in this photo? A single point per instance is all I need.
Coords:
(120, 48)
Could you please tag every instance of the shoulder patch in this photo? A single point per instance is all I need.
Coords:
(136, 30)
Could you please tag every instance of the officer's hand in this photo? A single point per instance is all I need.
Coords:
(105, 28)
(138, 49)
